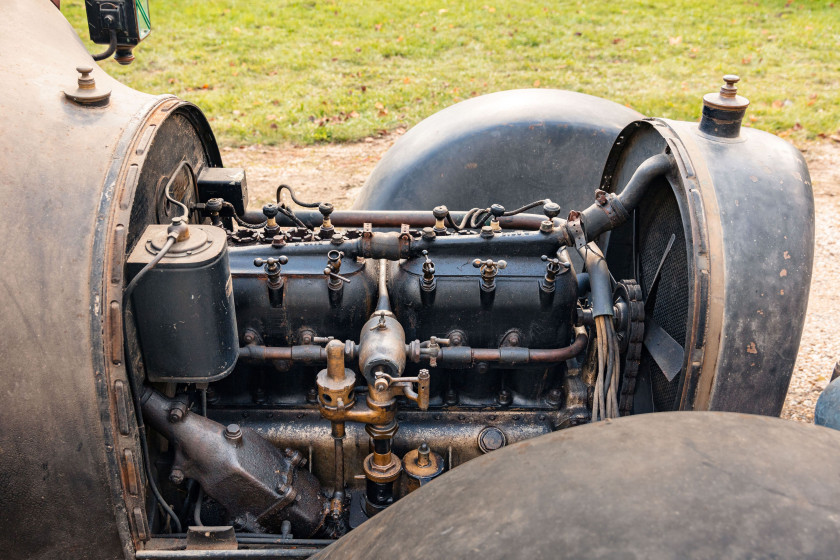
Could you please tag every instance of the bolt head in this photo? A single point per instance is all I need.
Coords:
(490, 439)
(233, 432)
(176, 476)
(175, 415)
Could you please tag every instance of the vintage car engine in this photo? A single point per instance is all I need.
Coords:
(377, 350)
(205, 378)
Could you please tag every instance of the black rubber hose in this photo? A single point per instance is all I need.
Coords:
(294, 198)
(112, 47)
(644, 175)
(599, 280)
(595, 220)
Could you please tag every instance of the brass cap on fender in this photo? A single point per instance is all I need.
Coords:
(727, 98)
(723, 111)
(86, 92)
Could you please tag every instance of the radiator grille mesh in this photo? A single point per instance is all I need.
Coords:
(659, 218)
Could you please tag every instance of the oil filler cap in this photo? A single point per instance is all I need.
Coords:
(86, 91)
(723, 111)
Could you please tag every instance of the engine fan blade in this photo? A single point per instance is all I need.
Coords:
(665, 351)
(655, 282)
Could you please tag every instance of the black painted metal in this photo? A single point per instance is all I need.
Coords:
(509, 147)
(672, 485)
(184, 309)
(734, 289)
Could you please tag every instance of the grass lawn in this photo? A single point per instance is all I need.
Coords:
(269, 71)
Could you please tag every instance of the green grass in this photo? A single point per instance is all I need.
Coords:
(268, 71)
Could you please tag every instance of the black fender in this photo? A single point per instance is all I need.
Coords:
(734, 287)
(670, 485)
(510, 147)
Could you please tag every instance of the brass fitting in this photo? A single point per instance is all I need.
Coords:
(421, 466)
(335, 384)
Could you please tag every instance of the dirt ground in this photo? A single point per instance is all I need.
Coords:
(338, 171)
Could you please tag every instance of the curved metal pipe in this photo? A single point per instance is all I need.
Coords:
(600, 285)
(644, 175)
(455, 355)
(389, 219)
(384, 302)
(616, 209)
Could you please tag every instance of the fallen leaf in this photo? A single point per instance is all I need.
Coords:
(379, 105)
(536, 83)
(337, 43)
(617, 40)
(675, 40)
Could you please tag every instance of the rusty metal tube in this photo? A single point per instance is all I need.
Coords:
(390, 219)
(384, 303)
(513, 356)
(448, 355)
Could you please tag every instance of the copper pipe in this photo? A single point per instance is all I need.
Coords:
(310, 353)
(559, 354)
(394, 218)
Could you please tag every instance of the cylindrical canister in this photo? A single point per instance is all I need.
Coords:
(183, 308)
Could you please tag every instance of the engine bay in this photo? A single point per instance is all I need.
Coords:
(307, 368)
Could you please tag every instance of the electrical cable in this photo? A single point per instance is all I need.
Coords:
(135, 392)
(475, 217)
(199, 499)
(171, 238)
(242, 223)
(184, 164)
(294, 198)
(112, 47)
